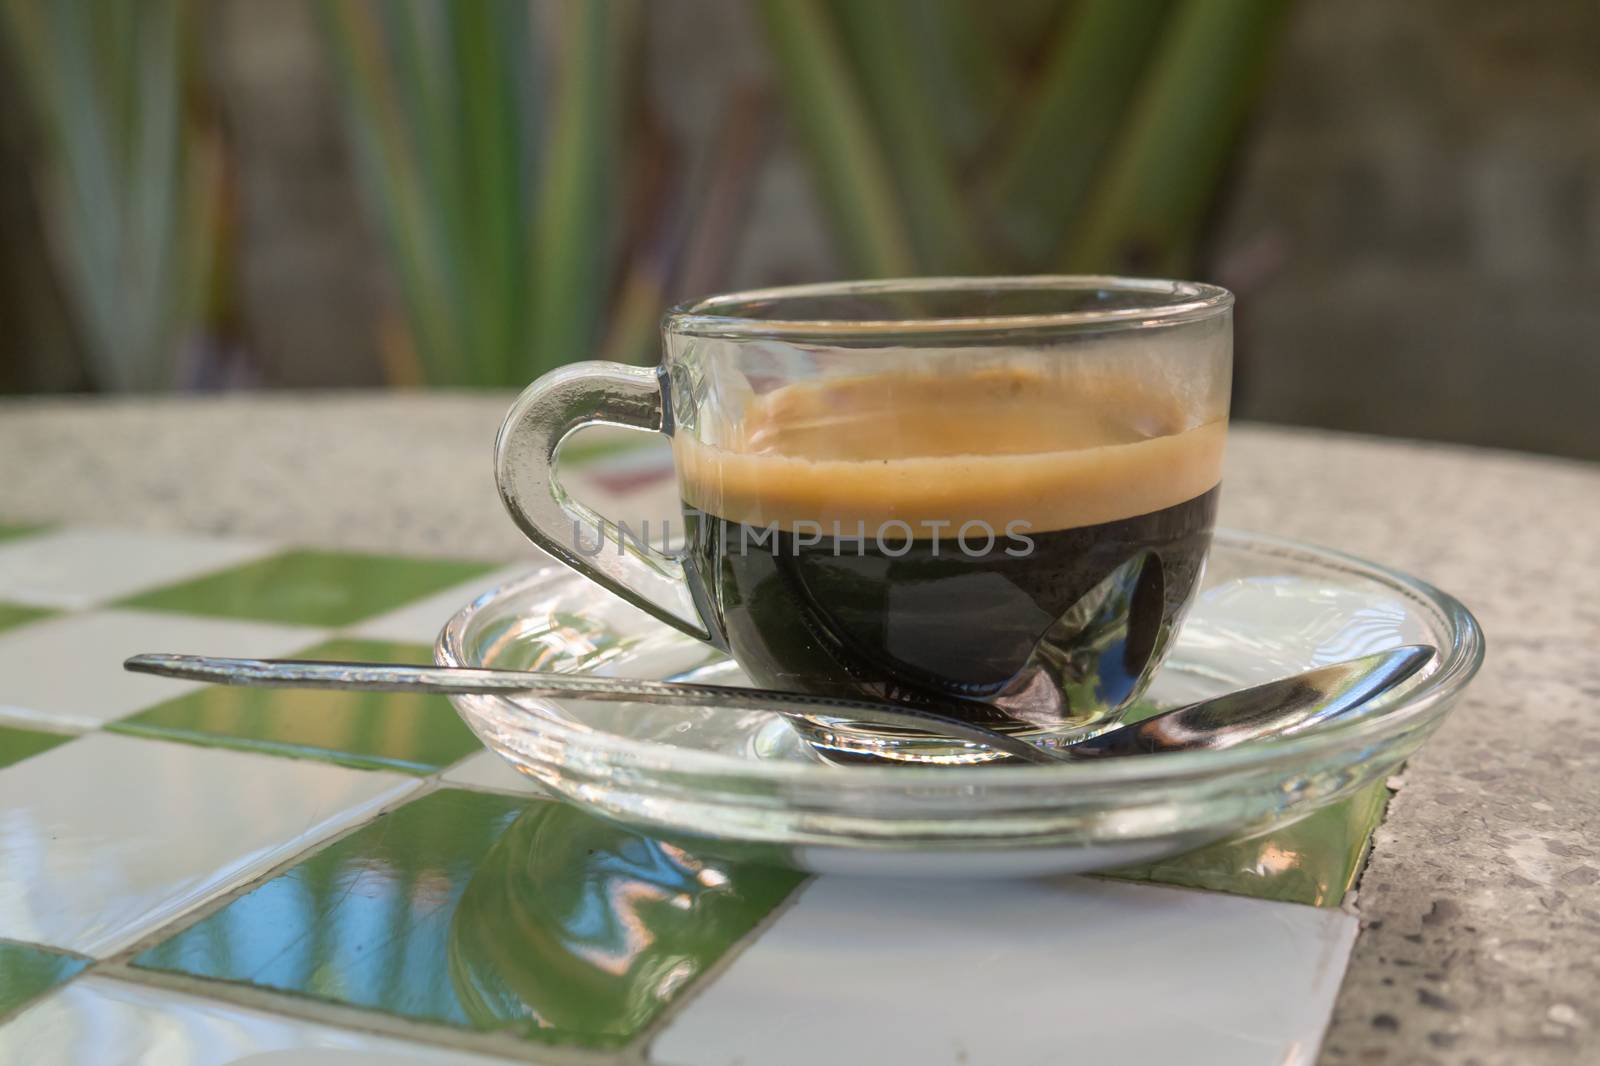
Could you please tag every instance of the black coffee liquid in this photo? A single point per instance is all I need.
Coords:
(858, 544)
(852, 619)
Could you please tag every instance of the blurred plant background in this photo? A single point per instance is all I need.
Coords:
(314, 193)
(129, 179)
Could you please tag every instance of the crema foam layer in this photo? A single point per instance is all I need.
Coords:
(1005, 448)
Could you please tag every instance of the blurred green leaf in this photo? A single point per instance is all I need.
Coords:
(950, 135)
(444, 126)
(826, 103)
(963, 71)
(577, 188)
(413, 213)
(908, 125)
(1152, 194)
(1072, 113)
(1023, 26)
(128, 183)
(491, 38)
(499, 230)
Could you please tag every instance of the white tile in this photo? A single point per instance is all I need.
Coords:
(489, 771)
(100, 1021)
(79, 568)
(1071, 969)
(107, 837)
(68, 670)
(420, 622)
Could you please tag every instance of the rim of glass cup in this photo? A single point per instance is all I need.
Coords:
(1169, 302)
(1459, 662)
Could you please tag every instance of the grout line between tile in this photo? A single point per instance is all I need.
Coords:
(713, 973)
(495, 790)
(266, 549)
(7, 1015)
(269, 549)
(277, 749)
(23, 718)
(469, 755)
(327, 1012)
(204, 910)
(39, 946)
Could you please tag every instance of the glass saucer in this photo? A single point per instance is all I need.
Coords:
(742, 784)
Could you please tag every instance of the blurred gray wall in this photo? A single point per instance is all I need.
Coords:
(1414, 230)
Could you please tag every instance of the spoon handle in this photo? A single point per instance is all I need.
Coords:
(448, 680)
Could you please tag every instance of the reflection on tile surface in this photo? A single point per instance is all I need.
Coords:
(1017, 971)
(19, 744)
(383, 730)
(68, 670)
(489, 912)
(26, 971)
(313, 587)
(98, 1021)
(85, 567)
(147, 830)
(1314, 861)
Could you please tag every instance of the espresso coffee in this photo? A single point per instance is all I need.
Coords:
(1003, 541)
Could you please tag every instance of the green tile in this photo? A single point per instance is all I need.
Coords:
(1313, 861)
(26, 972)
(490, 913)
(9, 531)
(371, 730)
(18, 744)
(312, 587)
(12, 614)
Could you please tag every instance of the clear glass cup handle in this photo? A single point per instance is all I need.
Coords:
(554, 406)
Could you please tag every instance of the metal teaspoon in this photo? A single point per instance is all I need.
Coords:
(1280, 707)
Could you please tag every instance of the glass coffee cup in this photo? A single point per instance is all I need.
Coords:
(990, 496)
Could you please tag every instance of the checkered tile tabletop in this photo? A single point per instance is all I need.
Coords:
(197, 875)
